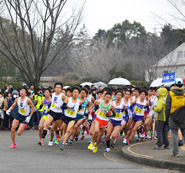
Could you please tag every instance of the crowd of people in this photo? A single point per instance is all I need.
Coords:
(104, 113)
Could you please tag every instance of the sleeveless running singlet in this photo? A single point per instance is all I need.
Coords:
(102, 111)
(56, 103)
(23, 107)
(73, 108)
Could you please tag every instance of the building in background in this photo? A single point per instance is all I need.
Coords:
(173, 62)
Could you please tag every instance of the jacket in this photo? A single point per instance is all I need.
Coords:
(160, 108)
(6, 104)
(15, 110)
(180, 92)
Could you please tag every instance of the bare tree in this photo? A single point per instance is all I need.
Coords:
(179, 5)
(28, 40)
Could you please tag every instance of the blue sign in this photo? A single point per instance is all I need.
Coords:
(168, 77)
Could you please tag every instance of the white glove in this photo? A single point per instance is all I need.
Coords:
(8, 112)
(27, 120)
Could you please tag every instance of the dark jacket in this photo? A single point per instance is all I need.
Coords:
(180, 92)
(15, 110)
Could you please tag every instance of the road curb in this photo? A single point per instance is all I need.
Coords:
(165, 164)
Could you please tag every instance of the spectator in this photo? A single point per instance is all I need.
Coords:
(35, 113)
(162, 128)
(94, 93)
(32, 90)
(100, 88)
(6, 117)
(1, 109)
(10, 88)
(175, 110)
(15, 94)
(38, 97)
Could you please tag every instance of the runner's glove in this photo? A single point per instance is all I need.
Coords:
(27, 120)
(108, 114)
(8, 112)
(112, 115)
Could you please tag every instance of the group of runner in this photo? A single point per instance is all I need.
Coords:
(114, 111)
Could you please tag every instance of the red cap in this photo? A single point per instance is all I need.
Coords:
(184, 80)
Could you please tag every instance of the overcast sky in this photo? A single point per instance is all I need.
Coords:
(103, 14)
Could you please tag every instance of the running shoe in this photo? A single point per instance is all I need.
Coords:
(76, 138)
(82, 137)
(66, 144)
(175, 155)
(90, 146)
(41, 142)
(95, 149)
(13, 146)
(62, 147)
(50, 143)
(166, 146)
(124, 140)
(54, 139)
(107, 150)
(147, 136)
(70, 142)
(112, 145)
(138, 139)
(142, 135)
(56, 142)
(158, 147)
(58, 138)
(128, 142)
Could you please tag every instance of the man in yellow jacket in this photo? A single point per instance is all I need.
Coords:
(162, 131)
(175, 112)
(38, 97)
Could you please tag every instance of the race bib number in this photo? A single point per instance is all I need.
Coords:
(102, 114)
(70, 112)
(81, 111)
(53, 106)
(138, 110)
(22, 111)
(118, 115)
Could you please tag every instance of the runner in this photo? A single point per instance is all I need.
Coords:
(55, 112)
(101, 121)
(81, 113)
(139, 107)
(45, 104)
(95, 108)
(114, 124)
(71, 106)
(23, 116)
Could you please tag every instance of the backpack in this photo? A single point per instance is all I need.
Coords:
(178, 116)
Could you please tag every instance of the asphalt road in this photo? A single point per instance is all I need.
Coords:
(29, 157)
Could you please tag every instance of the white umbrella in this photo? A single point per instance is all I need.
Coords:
(65, 87)
(97, 84)
(168, 84)
(119, 81)
(86, 83)
(156, 83)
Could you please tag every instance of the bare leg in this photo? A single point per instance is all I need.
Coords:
(14, 126)
(41, 126)
(68, 131)
(136, 127)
